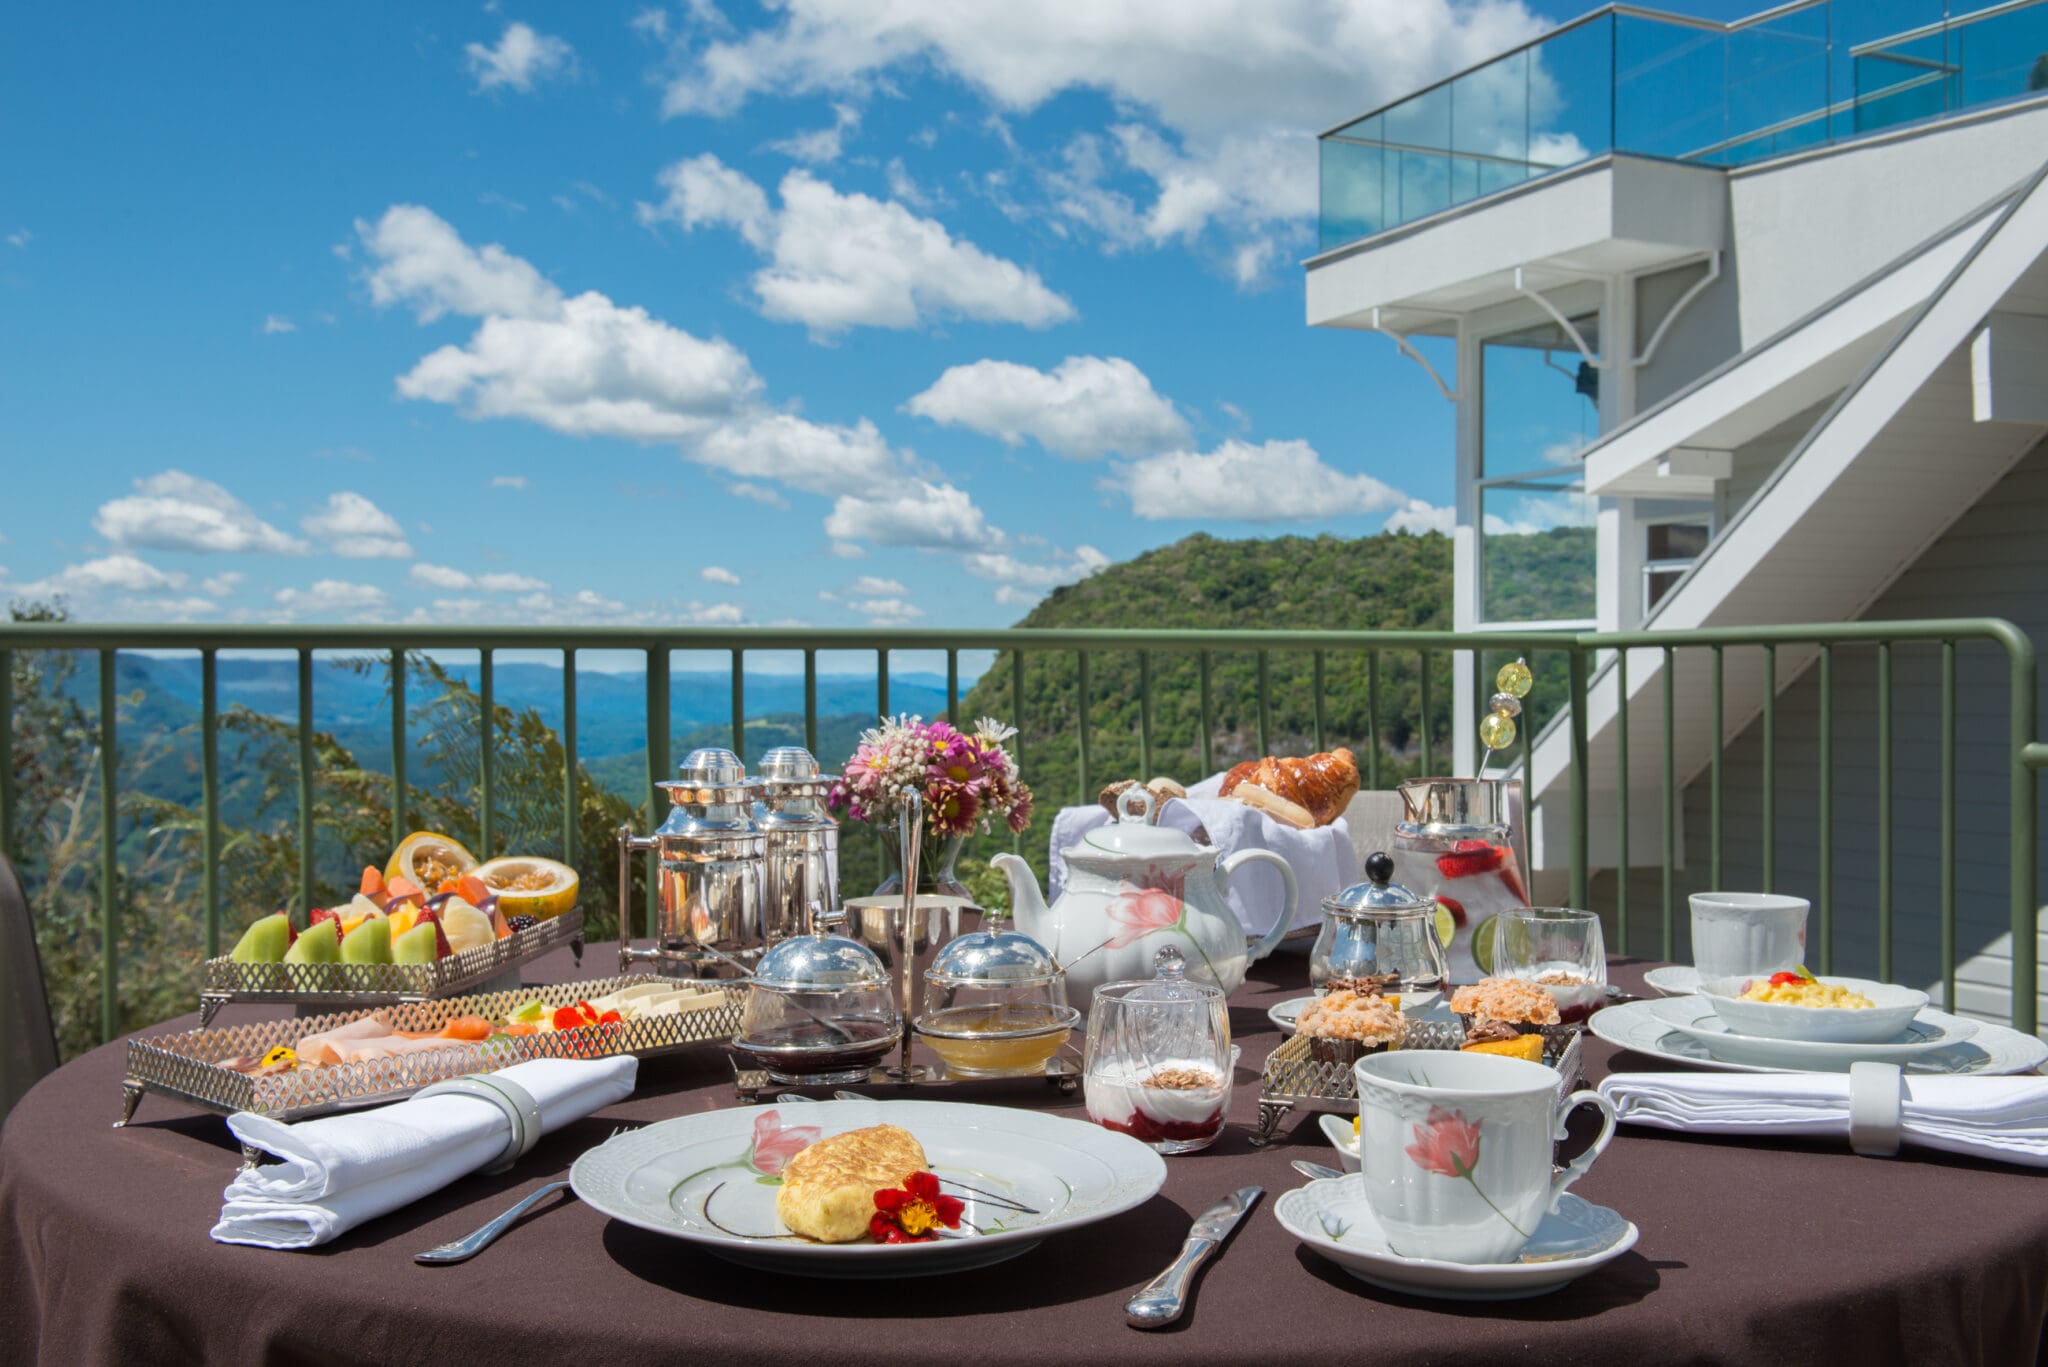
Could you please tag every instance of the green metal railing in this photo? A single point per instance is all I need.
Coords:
(1591, 659)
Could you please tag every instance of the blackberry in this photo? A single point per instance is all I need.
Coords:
(519, 923)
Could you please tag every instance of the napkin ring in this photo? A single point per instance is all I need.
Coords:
(513, 1100)
(1875, 1109)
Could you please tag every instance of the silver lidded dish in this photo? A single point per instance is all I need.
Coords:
(819, 1009)
(995, 1005)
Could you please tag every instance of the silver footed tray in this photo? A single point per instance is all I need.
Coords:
(223, 980)
(192, 1066)
(1295, 1079)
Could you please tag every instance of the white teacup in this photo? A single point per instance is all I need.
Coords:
(1741, 934)
(1455, 1150)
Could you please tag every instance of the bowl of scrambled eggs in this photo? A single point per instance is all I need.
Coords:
(1830, 1010)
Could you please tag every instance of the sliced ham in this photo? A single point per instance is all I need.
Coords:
(388, 1046)
(320, 1048)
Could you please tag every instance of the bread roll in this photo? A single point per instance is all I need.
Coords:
(1322, 785)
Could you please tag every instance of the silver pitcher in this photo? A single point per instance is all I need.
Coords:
(801, 841)
(709, 922)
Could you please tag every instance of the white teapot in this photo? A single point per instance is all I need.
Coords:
(1132, 889)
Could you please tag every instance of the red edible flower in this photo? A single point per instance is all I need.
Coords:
(913, 1212)
(1468, 857)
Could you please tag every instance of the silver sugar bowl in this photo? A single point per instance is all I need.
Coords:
(801, 841)
(709, 907)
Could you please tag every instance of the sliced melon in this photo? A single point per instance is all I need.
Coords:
(526, 885)
(427, 857)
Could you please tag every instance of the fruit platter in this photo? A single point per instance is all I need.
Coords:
(296, 1068)
(431, 923)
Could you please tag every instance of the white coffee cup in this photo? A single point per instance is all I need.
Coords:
(1741, 934)
(1455, 1150)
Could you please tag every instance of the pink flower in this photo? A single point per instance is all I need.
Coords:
(1446, 1144)
(1138, 914)
(775, 1144)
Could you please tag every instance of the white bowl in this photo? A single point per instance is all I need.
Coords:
(1893, 1011)
(1337, 1129)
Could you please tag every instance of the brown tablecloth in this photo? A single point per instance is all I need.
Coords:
(1750, 1252)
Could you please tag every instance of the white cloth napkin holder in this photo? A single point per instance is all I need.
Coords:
(1875, 1106)
(339, 1171)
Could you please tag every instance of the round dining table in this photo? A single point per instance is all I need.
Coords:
(1788, 1252)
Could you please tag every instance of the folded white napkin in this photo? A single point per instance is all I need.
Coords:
(2004, 1118)
(1323, 859)
(341, 1170)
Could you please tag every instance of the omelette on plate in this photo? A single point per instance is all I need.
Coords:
(828, 1190)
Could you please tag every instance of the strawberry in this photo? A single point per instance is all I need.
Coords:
(1468, 857)
(1455, 907)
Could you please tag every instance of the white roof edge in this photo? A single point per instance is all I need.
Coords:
(1859, 315)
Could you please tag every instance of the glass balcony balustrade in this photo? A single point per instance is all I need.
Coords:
(1651, 84)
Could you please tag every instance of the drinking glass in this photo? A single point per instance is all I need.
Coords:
(1159, 1058)
(1560, 949)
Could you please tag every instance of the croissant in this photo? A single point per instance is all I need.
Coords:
(1322, 785)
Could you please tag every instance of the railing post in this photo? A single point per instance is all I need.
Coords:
(1208, 721)
(2023, 803)
(487, 736)
(209, 797)
(1145, 715)
(739, 702)
(1948, 825)
(1621, 860)
(1827, 809)
(1670, 804)
(7, 845)
(1372, 719)
(307, 833)
(1317, 684)
(1770, 771)
(1422, 659)
(1579, 896)
(1265, 705)
(657, 768)
(1081, 712)
(953, 688)
(569, 786)
(811, 704)
(882, 681)
(397, 745)
(1714, 779)
(1884, 812)
(110, 867)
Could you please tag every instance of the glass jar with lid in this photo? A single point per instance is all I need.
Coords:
(1159, 1058)
(995, 1005)
(1380, 938)
(819, 1009)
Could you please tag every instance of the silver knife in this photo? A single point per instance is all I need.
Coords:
(1160, 1301)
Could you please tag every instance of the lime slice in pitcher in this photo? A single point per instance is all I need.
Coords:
(1482, 945)
(1446, 925)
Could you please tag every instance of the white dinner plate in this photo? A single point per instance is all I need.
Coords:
(1287, 1014)
(1673, 1028)
(1331, 1216)
(710, 1179)
(1674, 980)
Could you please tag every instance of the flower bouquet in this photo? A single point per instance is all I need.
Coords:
(967, 780)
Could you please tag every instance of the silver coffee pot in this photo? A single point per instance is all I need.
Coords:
(801, 842)
(709, 920)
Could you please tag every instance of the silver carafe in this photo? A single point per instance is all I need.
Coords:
(801, 841)
(709, 918)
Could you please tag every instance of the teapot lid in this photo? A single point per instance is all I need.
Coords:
(1379, 893)
(823, 962)
(1133, 835)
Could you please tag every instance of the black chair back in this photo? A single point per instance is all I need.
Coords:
(28, 1041)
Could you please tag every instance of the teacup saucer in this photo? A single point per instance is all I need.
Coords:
(1331, 1216)
(1923, 1036)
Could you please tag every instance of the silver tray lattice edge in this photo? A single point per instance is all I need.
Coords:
(188, 1066)
(1292, 1078)
(223, 980)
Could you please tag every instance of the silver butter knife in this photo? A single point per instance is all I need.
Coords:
(1162, 1300)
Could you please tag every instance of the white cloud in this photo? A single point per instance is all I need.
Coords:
(1086, 407)
(221, 585)
(449, 577)
(916, 513)
(815, 457)
(849, 550)
(904, 187)
(650, 23)
(596, 370)
(357, 529)
(174, 511)
(757, 493)
(424, 262)
(718, 574)
(1278, 481)
(819, 146)
(521, 60)
(1023, 574)
(1418, 516)
(1011, 596)
(714, 614)
(106, 574)
(20, 238)
(1228, 91)
(869, 586)
(333, 598)
(508, 481)
(838, 261)
(884, 612)
(276, 323)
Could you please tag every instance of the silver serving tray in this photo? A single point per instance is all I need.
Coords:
(188, 1066)
(341, 985)
(1294, 1079)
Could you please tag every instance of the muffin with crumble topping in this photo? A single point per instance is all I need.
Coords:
(1342, 1026)
(1492, 1006)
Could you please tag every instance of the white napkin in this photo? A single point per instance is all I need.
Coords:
(341, 1170)
(1323, 859)
(2004, 1118)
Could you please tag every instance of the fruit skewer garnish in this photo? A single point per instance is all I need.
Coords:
(1497, 728)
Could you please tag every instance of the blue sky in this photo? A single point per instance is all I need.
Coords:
(689, 314)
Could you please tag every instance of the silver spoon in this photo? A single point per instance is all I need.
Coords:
(467, 1247)
(1316, 1170)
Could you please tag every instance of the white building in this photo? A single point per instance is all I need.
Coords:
(1743, 324)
